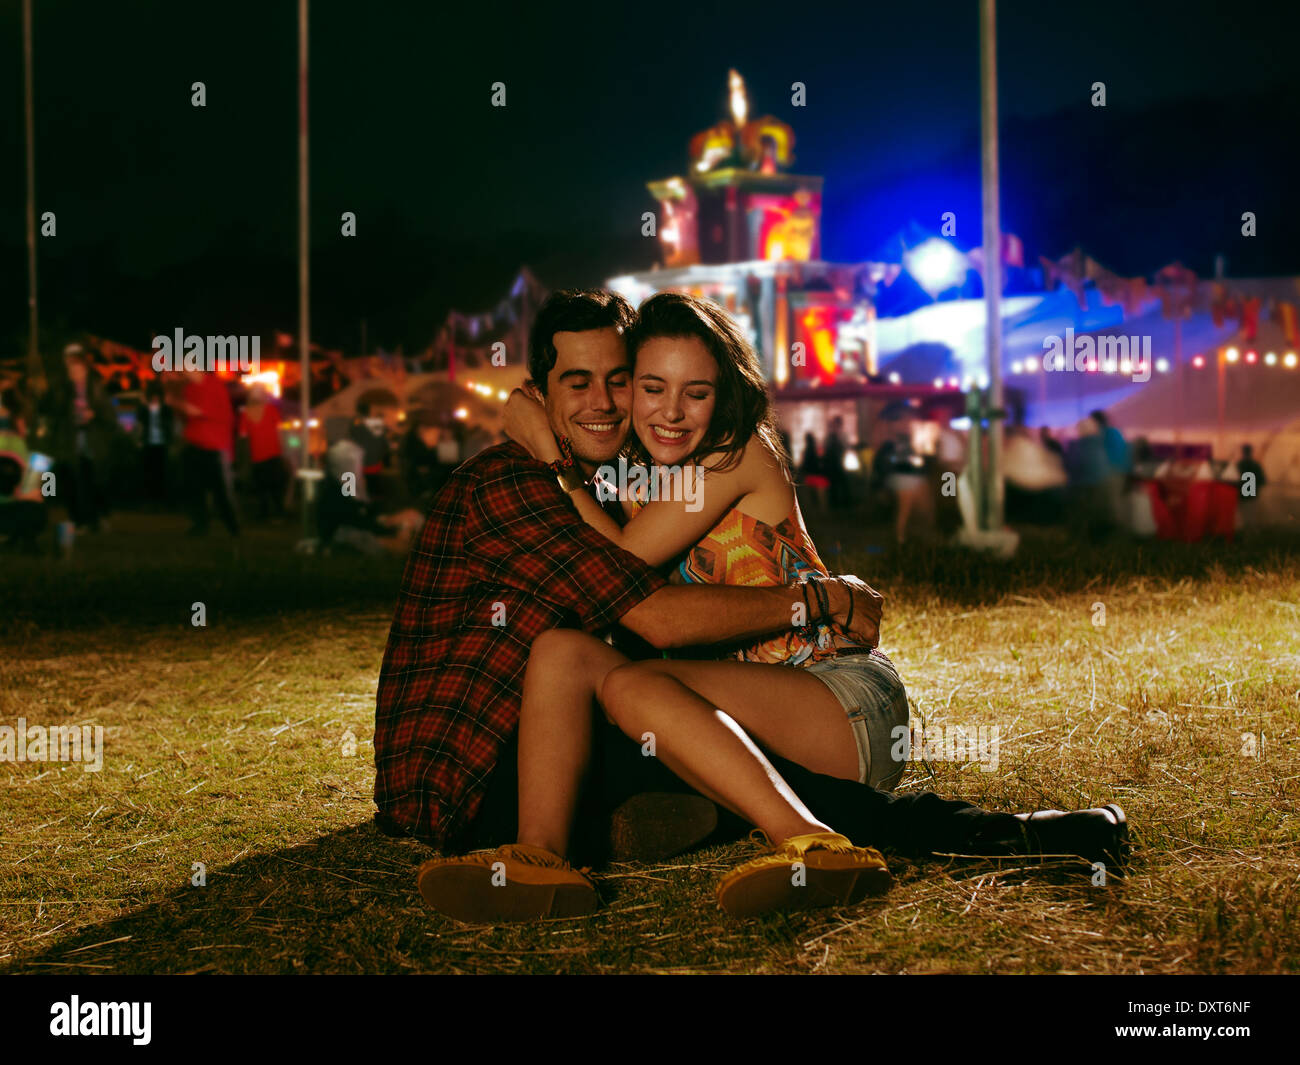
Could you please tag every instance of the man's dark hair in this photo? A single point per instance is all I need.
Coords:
(1100, 418)
(572, 311)
(743, 405)
(363, 408)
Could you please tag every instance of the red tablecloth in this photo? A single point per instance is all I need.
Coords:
(1192, 510)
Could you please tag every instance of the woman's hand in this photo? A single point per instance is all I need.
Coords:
(526, 423)
(858, 608)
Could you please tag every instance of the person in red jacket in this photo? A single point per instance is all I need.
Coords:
(260, 422)
(209, 438)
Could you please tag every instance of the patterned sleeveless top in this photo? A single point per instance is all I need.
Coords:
(743, 550)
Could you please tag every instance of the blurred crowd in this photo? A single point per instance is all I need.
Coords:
(73, 452)
(1093, 481)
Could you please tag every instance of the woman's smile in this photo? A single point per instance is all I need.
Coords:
(674, 397)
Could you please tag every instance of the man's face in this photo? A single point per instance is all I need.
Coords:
(588, 393)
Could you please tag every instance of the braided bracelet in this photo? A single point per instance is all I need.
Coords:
(824, 601)
(566, 456)
(848, 620)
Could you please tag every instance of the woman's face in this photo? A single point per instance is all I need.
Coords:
(674, 392)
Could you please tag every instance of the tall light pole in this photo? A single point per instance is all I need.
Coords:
(308, 475)
(990, 512)
(35, 371)
(304, 243)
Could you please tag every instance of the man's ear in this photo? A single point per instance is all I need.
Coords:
(531, 389)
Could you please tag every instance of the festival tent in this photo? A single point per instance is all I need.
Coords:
(479, 393)
(1260, 403)
(945, 342)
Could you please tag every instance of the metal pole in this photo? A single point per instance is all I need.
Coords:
(309, 476)
(35, 371)
(304, 305)
(993, 489)
(1220, 447)
(1182, 387)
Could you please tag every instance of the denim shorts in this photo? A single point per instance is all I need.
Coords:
(868, 687)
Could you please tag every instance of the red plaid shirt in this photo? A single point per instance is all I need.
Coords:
(503, 556)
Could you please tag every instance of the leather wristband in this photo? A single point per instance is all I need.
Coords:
(570, 480)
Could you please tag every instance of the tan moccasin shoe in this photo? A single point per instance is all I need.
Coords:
(805, 872)
(516, 882)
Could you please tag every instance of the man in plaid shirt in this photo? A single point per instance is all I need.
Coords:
(502, 557)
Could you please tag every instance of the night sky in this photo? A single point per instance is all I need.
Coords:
(170, 215)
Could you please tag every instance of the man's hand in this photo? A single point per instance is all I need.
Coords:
(867, 608)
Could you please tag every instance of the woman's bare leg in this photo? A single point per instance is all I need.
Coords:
(565, 669)
(789, 711)
(706, 748)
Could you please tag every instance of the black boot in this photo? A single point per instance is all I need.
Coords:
(1098, 835)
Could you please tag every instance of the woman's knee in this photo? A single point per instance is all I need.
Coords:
(623, 688)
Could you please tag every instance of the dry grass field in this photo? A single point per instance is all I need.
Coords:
(242, 749)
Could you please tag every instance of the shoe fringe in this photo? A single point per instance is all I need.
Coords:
(542, 861)
(796, 847)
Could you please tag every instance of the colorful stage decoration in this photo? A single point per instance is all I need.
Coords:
(765, 144)
(470, 339)
(1076, 268)
(1177, 288)
(736, 202)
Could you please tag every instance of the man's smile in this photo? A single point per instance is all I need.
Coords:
(602, 429)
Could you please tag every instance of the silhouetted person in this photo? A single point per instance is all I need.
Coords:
(833, 464)
(156, 428)
(1250, 480)
(22, 506)
(1051, 443)
(259, 421)
(209, 436)
(81, 423)
(1119, 464)
(1089, 472)
(812, 470)
(423, 464)
(371, 434)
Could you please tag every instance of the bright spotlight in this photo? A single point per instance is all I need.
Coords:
(936, 265)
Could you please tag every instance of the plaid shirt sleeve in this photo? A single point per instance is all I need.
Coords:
(527, 536)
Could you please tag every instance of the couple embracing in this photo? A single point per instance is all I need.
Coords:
(575, 672)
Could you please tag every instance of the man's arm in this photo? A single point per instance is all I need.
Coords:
(687, 616)
(523, 533)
